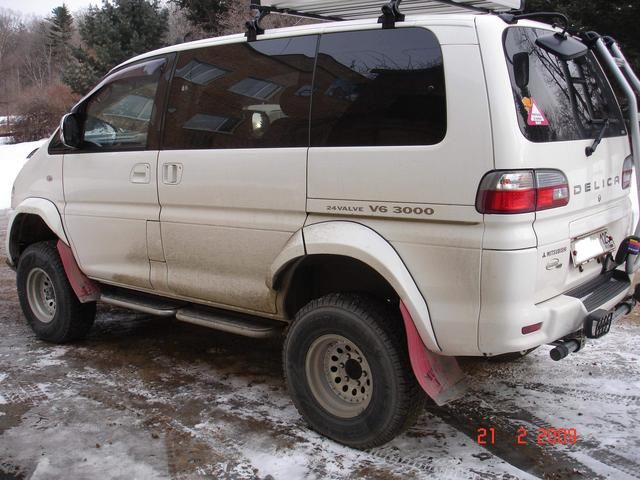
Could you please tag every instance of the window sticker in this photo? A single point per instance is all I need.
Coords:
(536, 117)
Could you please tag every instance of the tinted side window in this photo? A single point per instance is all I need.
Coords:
(379, 87)
(119, 114)
(245, 95)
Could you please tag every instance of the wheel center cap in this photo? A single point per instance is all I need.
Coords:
(48, 293)
(353, 369)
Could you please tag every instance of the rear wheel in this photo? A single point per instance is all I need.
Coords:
(52, 309)
(347, 370)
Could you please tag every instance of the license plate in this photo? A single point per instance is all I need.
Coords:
(592, 246)
(598, 323)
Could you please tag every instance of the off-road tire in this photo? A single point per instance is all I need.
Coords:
(376, 329)
(69, 319)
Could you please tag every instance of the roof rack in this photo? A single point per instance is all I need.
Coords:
(337, 10)
(359, 9)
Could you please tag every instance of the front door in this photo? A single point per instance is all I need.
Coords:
(110, 183)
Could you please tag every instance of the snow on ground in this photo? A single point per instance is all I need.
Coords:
(12, 158)
(152, 398)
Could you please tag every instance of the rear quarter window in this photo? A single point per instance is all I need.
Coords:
(379, 88)
(570, 100)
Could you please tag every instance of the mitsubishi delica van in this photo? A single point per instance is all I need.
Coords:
(387, 190)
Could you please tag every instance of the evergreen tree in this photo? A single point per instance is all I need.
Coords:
(207, 15)
(60, 33)
(118, 30)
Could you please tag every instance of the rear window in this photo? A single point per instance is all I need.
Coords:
(563, 101)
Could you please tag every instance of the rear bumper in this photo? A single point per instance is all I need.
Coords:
(505, 311)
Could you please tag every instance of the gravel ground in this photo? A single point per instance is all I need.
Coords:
(151, 398)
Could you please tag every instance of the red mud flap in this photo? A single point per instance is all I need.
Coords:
(439, 376)
(85, 289)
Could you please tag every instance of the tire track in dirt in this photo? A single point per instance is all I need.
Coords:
(542, 461)
(623, 400)
(590, 446)
(187, 456)
(25, 393)
(185, 451)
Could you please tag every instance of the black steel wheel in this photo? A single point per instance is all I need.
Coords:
(347, 369)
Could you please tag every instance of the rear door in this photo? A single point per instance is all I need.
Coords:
(232, 174)
(110, 183)
(564, 108)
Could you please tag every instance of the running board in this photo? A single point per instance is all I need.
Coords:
(231, 322)
(141, 302)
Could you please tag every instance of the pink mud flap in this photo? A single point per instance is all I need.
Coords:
(85, 289)
(439, 376)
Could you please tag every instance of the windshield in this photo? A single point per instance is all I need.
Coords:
(562, 101)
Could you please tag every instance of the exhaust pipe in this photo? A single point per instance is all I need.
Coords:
(564, 348)
(597, 325)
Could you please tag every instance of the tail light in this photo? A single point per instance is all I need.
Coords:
(627, 172)
(552, 188)
(522, 191)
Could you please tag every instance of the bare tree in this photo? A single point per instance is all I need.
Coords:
(180, 28)
(37, 59)
(238, 14)
(10, 23)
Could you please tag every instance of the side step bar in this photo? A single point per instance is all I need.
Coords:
(231, 322)
(225, 321)
(141, 302)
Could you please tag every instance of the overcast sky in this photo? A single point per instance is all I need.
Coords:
(42, 8)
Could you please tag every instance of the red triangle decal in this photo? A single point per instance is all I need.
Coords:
(536, 117)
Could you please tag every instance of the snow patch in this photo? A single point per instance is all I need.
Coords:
(291, 465)
(52, 358)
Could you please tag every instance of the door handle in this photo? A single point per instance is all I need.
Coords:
(171, 173)
(140, 173)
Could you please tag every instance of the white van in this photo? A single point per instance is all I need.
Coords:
(389, 193)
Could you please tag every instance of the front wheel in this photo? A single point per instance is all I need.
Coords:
(52, 309)
(347, 370)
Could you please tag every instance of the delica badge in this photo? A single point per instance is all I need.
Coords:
(536, 117)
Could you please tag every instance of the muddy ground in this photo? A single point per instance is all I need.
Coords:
(151, 398)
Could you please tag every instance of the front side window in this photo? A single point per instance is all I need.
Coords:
(119, 114)
(562, 101)
(379, 88)
(245, 95)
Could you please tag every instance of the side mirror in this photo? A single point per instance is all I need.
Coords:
(562, 46)
(71, 131)
(260, 123)
(521, 69)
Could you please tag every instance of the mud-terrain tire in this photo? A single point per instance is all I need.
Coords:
(347, 370)
(52, 309)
